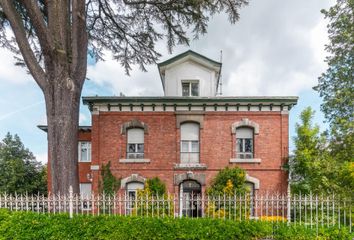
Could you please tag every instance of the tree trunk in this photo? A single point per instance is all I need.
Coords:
(63, 105)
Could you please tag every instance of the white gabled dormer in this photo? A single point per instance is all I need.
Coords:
(190, 74)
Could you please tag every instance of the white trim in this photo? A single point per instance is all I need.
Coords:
(284, 112)
(253, 180)
(171, 107)
(89, 151)
(190, 165)
(247, 160)
(134, 160)
(132, 178)
(95, 167)
(245, 122)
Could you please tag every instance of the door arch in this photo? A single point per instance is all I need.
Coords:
(190, 198)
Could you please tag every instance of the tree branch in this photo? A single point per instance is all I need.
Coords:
(79, 41)
(23, 44)
(39, 25)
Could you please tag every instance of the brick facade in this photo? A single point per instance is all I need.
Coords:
(162, 147)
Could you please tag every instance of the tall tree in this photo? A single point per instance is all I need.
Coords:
(19, 170)
(52, 38)
(312, 168)
(336, 85)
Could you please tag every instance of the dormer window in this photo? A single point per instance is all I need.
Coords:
(190, 88)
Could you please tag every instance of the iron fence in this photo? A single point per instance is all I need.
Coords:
(309, 210)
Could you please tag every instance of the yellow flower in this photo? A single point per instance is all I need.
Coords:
(228, 189)
(273, 218)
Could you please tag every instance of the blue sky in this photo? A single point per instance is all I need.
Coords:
(276, 49)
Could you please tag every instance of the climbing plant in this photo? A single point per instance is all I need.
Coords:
(109, 184)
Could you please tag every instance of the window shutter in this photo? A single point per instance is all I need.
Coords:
(135, 135)
(190, 131)
(244, 133)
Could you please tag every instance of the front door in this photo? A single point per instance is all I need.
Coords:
(190, 199)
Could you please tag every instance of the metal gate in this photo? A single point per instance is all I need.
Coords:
(190, 199)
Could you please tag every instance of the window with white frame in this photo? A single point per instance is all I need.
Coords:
(190, 88)
(190, 143)
(84, 151)
(135, 143)
(244, 143)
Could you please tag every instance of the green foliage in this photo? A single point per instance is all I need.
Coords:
(336, 85)
(312, 168)
(21, 225)
(156, 186)
(109, 184)
(301, 232)
(144, 204)
(228, 181)
(19, 170)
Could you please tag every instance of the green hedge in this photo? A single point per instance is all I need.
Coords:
(21, 225)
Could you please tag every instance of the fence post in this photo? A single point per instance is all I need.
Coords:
(288, 213)
(71, 201)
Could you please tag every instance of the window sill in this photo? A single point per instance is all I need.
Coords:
(197, 166)
(246, 160)
(134, 160)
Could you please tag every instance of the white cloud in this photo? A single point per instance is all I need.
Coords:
(20, 110)
(139, 83)
(277, 48)
(11, 73)
(41, 157)
(318, 40)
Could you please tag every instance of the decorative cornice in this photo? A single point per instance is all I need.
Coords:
(138, 100)
(189, 104)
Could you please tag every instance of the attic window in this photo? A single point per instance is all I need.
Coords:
(190, 88)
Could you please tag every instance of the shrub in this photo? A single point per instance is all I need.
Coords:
(22, 225)
(228, 181)
(156, 186)
(146, 205)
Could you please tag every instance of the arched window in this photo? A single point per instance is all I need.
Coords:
(244, 143)
(190, 143)
(135, 143)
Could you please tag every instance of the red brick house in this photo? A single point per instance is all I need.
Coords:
(186, 136)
